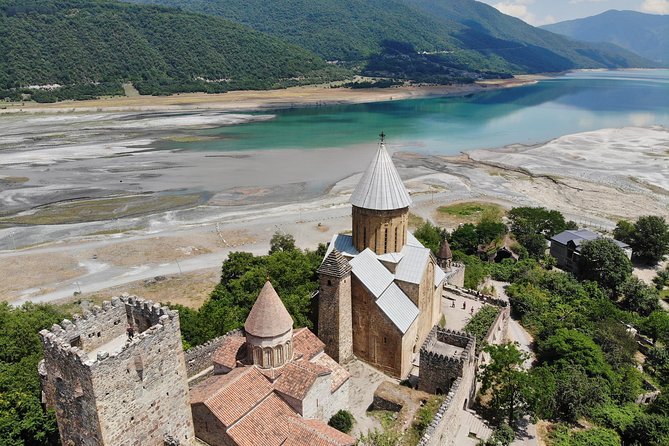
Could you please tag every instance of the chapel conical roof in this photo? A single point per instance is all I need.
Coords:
(381, 187)
(268, 317)
(445, 250)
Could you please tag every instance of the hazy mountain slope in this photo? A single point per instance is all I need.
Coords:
(484, 39)
(644, 34)
(490, 31)
(161, 50)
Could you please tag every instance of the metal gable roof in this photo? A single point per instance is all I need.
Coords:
(381, 187)
(343, 244)
(412, 266)
(413, 241)
(398, 307)
(373, 275)
(439, 276)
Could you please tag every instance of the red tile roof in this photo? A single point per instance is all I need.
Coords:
(273, 423)
(306, 344)
(231, 396)
(268, 317)
(298, 377)
(339, 373)
(227, 353)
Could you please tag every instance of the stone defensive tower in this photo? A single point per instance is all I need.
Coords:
(380, 206)
(110, 389)
(335, 320)
(445, 356)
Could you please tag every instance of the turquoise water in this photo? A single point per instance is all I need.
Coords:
(530, 114)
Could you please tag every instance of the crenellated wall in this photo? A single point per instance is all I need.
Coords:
(199, 359)
(108, 389)
(437, 370)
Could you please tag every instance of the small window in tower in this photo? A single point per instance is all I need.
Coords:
(329, 282)
(364, 236)
(385, 240)
(395, 238)
(385, 340)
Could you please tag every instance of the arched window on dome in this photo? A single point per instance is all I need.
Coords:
(267, 358)
(257, 356)
(289, 351)
(278, 355)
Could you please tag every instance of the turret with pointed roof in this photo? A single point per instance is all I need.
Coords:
(380, 206)
(269, 330)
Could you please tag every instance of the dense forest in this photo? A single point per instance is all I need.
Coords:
(589, 370)
(92, 46)
(474, 34)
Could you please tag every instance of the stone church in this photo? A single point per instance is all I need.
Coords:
(380, 288)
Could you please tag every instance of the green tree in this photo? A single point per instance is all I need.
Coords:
(506, 379)
(430, 236)
(651, 238)
(281, 242)
(624, 232)
(536, 220)
(604, 262)
(656, 325)
(535, 244)
(503, 435)
(342, 421)
(465, 239)
(639, 297)
(570, 347)
(648, 430)
(22, 420)
(595, 436)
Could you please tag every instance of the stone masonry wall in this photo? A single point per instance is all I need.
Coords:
(134, 393)
(373, 224)
(199, 359)
(335, 320)
(437, 371)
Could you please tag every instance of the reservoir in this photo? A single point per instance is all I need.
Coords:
(575, 102)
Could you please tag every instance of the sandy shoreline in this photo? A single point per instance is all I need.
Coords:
(625, 178)
(240, 101)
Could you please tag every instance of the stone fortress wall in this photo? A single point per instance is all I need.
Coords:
(199, 358)
(463, 368)
(439, 369)
(108, 389)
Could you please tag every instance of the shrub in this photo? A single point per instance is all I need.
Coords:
(342, 421)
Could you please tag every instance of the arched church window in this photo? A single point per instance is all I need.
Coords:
(395, 238)
(267, 357)
(257, 355)
(385, 240)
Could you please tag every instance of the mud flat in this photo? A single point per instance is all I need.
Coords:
(594, 178)
(268, 99)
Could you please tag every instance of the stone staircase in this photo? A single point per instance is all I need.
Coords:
(470, 425)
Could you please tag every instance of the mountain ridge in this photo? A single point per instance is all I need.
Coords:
(475, 34)
(644, 34)
(97, 44)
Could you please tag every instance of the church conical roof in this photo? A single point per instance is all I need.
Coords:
(381, 187)
(268, 317)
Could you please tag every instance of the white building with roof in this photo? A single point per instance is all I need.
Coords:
(392, 281)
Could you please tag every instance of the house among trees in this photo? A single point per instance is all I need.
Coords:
(566, 247)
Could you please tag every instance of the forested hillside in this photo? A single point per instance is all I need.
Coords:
(94, 45)
(467, 35)
(644, 34)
